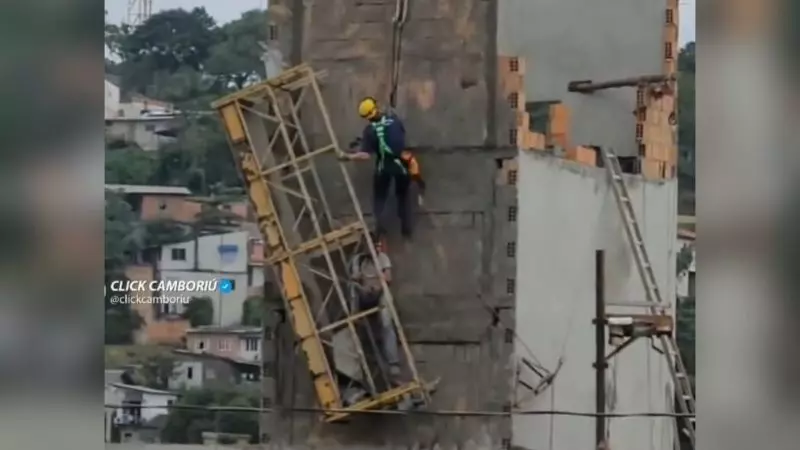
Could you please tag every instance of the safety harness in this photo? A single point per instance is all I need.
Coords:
(384, 149)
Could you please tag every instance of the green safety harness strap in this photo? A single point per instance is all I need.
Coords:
(380, 131)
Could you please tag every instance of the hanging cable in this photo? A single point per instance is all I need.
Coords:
(422, 412)
(398, 21)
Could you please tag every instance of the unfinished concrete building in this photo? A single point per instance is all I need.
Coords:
(496, 294)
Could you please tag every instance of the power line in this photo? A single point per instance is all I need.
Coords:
(449, 413)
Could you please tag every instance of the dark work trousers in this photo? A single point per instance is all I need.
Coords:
(382, 182)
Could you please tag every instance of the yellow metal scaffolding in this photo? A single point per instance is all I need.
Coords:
(309, 249)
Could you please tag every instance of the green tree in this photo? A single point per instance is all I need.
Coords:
(251, 311)
(156, 370)
(684, 259)
(165, 43)
(200, 158)
(186, 426)
(131, 165)
(686, 128)
(121, 321)
(120, 233)
(199, 311)
(236, 59)
(120, 245)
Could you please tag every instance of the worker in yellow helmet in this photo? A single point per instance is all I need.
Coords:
(384, 137)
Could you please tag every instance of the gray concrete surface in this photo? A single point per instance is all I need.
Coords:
(566, 40)
(443, 90)
(444, 296)
(567, 212)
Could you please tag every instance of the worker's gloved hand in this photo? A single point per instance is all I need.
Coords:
(420, 201)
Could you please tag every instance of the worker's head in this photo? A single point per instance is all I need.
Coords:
(368, 109)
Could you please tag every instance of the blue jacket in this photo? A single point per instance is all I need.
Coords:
(395, 136)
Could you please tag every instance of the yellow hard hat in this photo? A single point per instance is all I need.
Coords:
(368, 108)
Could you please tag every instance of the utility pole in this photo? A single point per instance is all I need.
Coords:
(600, 364)
(271, 327)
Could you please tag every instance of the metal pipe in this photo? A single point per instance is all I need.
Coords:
(588, 86)
(600, 347)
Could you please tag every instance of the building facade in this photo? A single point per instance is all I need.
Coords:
(236, 342)
(148, 132)
(216, 257)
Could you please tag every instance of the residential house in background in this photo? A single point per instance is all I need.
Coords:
(147, 122)
(158, 327)
(220, 256)
(112, 95)
(150, 132)
(214, 257)
(132, 407)
(686, 280)
(121, 105)
(169, 202)
(158, 202)
(218, 356)
(239, 343)
(203, 370)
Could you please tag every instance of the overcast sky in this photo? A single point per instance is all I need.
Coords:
(227, 10)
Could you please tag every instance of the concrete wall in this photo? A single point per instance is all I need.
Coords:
(567, 40)
(568, 212)
(444, 70)
(111, 99)
(446, 297)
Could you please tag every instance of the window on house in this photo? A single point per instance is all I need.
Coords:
(162, 205)
(249, 275)
(512, 213)
(170, 402)
(189, 373)
(511, 249)
(150, 127)
(201, 345)
(512, 177)
(169, 308)
(179, 254)
(511, 286)
(223, 345)
(251, 344)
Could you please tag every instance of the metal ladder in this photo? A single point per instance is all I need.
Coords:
(680, 377)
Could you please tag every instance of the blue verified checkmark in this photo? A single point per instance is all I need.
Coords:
(226, 286)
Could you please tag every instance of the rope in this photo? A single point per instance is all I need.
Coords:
(450, 413)
(399, 19)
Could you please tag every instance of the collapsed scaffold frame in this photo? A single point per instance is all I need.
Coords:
(308, 249)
